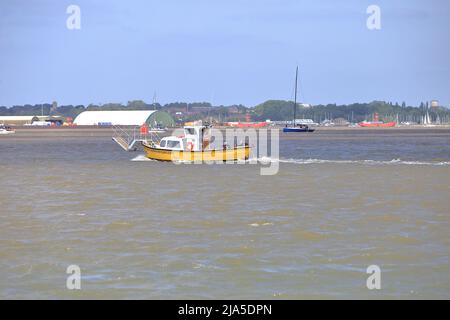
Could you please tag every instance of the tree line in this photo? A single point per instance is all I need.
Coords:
(275, 110)
(280, 110)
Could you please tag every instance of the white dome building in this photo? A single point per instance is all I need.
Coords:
(124, 118)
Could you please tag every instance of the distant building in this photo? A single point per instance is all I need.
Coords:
(233, 109)
(29, 120)
(18, 120)
(341, 122)
(124, 118)
(54, 107)
(55, 120)
(308, 122)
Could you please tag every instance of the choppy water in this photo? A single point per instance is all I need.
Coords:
(342, 200)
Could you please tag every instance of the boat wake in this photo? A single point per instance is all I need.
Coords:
(268, 160)
(142, 157)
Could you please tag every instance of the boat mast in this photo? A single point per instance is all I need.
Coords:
(295, 95)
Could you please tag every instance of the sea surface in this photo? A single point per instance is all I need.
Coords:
(341, 201)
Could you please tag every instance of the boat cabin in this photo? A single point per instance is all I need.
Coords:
(195, 138)
(172, 143)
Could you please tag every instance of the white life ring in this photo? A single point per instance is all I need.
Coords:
(190, 146)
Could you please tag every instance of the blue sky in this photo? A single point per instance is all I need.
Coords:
(224, 51)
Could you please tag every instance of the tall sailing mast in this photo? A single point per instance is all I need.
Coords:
(302, 127)
(295, 95)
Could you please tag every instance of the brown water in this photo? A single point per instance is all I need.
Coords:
(144, 229)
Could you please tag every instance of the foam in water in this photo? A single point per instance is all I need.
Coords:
(268, 160)
(141, 157)
(378, 162)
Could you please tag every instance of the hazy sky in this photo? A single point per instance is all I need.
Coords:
(224, 51)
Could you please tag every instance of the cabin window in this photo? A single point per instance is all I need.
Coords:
(163, 143)
(173, 144)
(190, 131)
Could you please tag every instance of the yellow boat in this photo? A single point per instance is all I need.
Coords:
(193, 146)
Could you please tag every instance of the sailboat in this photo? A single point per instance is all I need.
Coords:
(438, 119)
(426, 120)
(294, 127)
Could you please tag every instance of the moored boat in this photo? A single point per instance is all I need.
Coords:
(6, 129)
(247, 124)
(297, 127)
(371, 124)
(193, 145)
(376, 123)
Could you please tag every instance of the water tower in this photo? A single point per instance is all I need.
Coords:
(434, 104)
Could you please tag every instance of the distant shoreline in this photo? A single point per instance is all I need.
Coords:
(317, 128)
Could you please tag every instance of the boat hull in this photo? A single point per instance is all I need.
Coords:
(255, 125)
(298, 130)
(238, 153)
(7, 132)
(377, 124)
